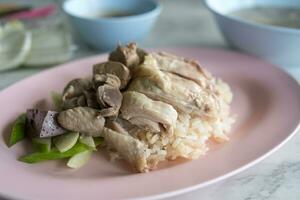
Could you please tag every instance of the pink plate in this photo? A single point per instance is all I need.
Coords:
(266, 103)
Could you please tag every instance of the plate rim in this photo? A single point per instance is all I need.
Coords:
(205, 183)
(225, 176)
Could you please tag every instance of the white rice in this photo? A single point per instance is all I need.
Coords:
(190, 134)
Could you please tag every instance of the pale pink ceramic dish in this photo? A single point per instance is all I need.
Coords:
(266, 103)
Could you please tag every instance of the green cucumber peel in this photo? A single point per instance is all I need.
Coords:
(98, 140)
(18, 130)
(42, 144)
(54, 154)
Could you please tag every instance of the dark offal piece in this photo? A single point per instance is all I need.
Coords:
(43, 124)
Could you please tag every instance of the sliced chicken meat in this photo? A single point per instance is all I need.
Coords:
(115, 68)
(147, 106)
(74, 93)
(91, 98)
(109, 99)
(154, 116)
(74, 102)
(188, 69)
(75, 88)
(115, 126)
(121, 125)
(129, 148)
(129, 55)
(109, 79)
(185, 95)
(85, 120)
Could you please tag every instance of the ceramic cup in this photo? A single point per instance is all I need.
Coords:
(279, 45)
(100, 25)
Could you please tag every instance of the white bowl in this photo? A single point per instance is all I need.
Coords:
(279, 45)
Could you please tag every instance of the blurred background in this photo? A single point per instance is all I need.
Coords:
(38, 34)
(181, 24)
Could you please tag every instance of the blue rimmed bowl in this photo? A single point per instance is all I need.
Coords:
(104, 33)
(279, 45)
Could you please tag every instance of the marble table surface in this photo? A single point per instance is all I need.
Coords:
(189, 24)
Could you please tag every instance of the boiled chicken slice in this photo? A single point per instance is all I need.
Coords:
(75, 88)
(115, 68)
(91, 98)
(188, 69)
(74, 102)
(154, 116)
(121, 125)
(84, 120)
(73, 94)
(129, 55)
(185, 95)
(156, 78)
(115, 126)
(108, 95)
(109, 79)
(109, 99)
(131, 150)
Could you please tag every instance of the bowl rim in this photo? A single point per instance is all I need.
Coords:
(151, 13)
(251, 23)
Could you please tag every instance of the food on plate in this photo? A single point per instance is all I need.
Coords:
(43, 124)
(41, 144)
(18, 130)
(142, 107)
(65, 142)
(84, 120)
(78, 160)
(54, 154)
(147, 114)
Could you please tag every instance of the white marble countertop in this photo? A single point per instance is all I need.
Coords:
(188, 24)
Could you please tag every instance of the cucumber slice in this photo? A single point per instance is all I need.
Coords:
(42, 144)
(54, 154)
(88, 140)
(65, 142)
(18, 130)
(79, 159)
